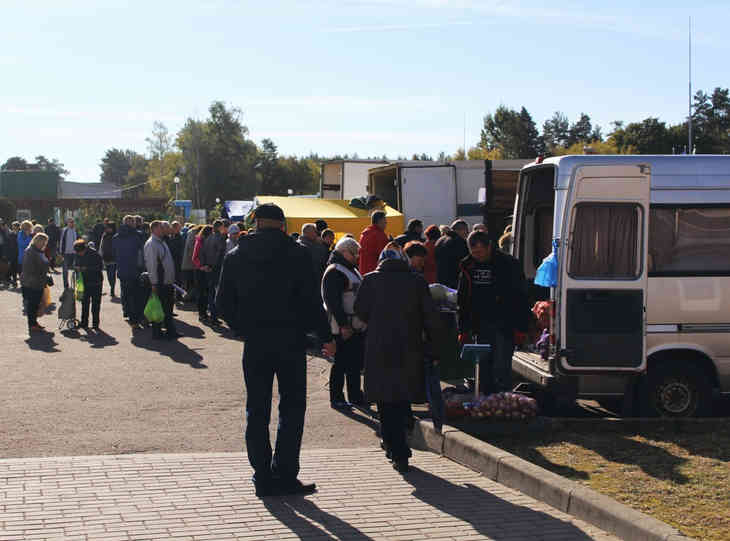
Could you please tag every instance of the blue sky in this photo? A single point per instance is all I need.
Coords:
(373, 76)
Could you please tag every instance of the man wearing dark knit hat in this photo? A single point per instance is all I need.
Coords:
(268, 289)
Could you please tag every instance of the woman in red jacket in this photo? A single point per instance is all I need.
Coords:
(201, 272)
(372, 241)
(433, 233)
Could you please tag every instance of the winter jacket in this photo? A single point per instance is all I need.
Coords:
(177, 247)
(159, 263)
(318, 253)
(213, 251)
(407, 237)
(91, 266)
(68, 237)
(429, 269)
(268, 290)
(197, 248)
(35, 269)
(106, 247)
(450, 250)
(54, 234)
(397, 306)
(510, 287)
(23, 243)
(335, 287)
(372, 241)
(187, 259)
(127, 248)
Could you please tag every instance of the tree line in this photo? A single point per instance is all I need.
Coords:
(215, 157)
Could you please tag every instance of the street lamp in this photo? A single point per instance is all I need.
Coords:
(217, 200)
(290, 191)
(176, 180)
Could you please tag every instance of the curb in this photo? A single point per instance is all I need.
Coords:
(543, 485)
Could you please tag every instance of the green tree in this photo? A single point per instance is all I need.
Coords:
(513, 133)
(44, 164)
(555, 131)
(711, 121)
(16, 163)
(650, 136)
(268, 168)
(580, 131)
(124, 168)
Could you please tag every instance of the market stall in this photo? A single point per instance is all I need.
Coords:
(339, 215)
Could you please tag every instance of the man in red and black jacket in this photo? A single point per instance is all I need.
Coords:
(493, 306)
(372, 241)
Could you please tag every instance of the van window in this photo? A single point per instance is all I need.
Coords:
(605, 242)
(689, 241)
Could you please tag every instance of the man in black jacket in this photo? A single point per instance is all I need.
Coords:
(268, 290)
(493, 306)
(54, 236)
(211, 255)
(414, 232)
(89, 263)
(451, 249)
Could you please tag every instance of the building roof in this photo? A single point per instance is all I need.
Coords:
(88, 190)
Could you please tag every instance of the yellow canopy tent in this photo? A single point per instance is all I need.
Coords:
(339, 215)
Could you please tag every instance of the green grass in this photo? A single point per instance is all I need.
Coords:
(681, 478)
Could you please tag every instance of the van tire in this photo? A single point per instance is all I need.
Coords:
(678, 390)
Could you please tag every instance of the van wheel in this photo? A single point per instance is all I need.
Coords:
(674, 391)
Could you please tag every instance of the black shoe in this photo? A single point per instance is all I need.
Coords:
(340, 405)
(95, 327)
(264, 490)
(401, 465)
(84, 325)
(295, 487)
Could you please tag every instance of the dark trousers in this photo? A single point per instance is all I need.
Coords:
(348, 365)
(31, 300)
(111, 276)
(167, 299)
(394, 418)
(496, 375)
(212, 278)
(92, 296)
(131, 307)
(68, 263)
(202, 280)
(263, 358)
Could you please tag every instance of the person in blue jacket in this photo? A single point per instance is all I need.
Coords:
(24, 236)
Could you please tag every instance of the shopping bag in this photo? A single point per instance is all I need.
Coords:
(153, 311)
(79, 286)
(45, 301)
(547, 272)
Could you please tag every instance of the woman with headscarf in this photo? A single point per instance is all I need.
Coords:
(397, 307)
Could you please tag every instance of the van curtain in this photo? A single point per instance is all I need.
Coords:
(604, 241)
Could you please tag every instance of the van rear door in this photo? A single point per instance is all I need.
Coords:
(429, 193)
(604, 273)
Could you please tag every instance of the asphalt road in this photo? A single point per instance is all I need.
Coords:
(117, 392)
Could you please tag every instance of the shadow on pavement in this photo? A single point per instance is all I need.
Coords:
(358, 415)
(99, 339)
(43, 341)
(488, 514)
(313, 524)
(189, 331)
(174, 349)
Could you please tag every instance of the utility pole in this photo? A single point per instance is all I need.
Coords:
(689, 118)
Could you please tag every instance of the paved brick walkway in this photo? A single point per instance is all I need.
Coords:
(209, 496)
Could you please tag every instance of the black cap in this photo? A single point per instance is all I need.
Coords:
(269, 211)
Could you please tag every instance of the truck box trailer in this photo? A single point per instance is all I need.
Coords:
(440, 192)
(346, 179)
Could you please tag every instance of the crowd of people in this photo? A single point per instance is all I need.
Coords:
(367, 300)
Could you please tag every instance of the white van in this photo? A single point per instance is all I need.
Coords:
(641, 306)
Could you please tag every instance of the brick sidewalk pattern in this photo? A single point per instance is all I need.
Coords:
(210, 497)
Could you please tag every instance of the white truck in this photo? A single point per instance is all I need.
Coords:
(346, 179)
(440, 192)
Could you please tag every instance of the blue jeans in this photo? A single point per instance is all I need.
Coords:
(68, 263)
(263, 358)
(496, 376)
